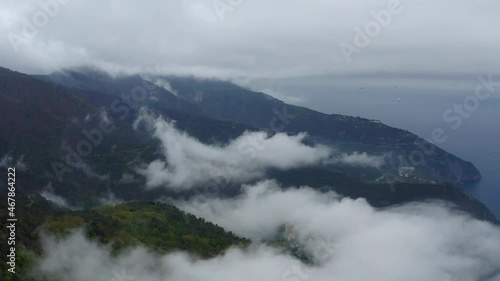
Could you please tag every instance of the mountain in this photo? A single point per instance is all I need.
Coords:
(46, 120)
(158, 227)
(408, 157)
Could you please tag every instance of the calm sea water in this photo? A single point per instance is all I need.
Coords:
(420, 110)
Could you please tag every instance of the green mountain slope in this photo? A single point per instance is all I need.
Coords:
(158, 227)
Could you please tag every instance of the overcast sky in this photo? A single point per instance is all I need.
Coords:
(252, 39)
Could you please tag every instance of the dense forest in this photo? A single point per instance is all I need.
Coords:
(159, 227)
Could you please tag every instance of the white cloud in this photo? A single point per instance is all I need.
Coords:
(110, 199)
(127, 178)
(78, 259)
(360, 159)
(419, 241)
(410, 242)
(104, 118)
(257, 214)
(278, 94)
(161, 82)
(190, 162)
(91, 173)
(20, 164)
(54, 198)
(49, 195)
(7, 161)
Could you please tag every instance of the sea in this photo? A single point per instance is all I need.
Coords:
(419, 106)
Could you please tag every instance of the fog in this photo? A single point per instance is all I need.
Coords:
(348, 239)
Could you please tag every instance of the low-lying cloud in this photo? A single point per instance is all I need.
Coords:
(49, 195)
(190, 162)
(7, 161)
(360, 160)
(419, 241)
(78, 259)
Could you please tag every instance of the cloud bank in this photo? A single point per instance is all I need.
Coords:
(360, 159)
(419, 241)
(190, 162)
(253, 38)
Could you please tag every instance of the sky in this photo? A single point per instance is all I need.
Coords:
(303, 52)
(242, 39)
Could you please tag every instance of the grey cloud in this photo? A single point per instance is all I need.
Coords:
(257, 38)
